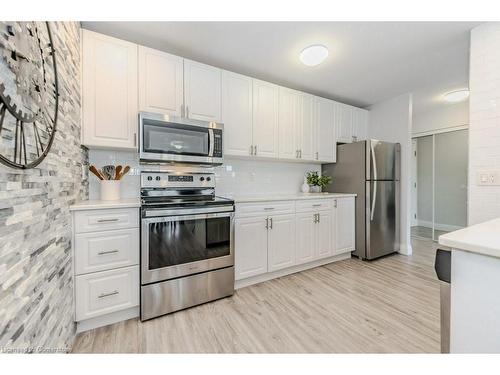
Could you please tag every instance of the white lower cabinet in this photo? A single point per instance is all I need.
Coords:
(324, 234)
(287, 236)
(106, 266)
(251, 247)
(280, 242)
(344, 224)
(105, 292)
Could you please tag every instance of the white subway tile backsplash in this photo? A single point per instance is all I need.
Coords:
(235, 177)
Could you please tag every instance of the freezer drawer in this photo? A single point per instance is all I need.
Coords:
(382, 225)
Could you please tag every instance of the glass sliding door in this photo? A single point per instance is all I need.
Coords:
(424, 190)
(450, 181)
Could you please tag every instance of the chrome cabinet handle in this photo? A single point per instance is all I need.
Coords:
(255, 150)
(296, 154)
(317, 155)
(268, 208)
(300, 154)
(271, 223)
(335, 203)
(317, 205)
(315, 218)
(135, 139)
(107, 252)
(114, 293)
(251, 149)
(267, 223)
(106, 220)
(319, 218)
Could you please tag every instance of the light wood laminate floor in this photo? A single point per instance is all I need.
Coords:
(388, 305)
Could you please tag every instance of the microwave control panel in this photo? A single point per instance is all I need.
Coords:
(217, 143)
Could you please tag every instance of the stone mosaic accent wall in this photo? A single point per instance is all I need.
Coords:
(36, 285)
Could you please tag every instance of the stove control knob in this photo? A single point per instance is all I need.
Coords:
(209, 179)
(150, 178)
(202, 178)
(158, 178)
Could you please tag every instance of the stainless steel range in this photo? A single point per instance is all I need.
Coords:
(187, 255)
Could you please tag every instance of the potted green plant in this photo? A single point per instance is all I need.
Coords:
(317, 182)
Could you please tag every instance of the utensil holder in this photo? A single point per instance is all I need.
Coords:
(110, 190)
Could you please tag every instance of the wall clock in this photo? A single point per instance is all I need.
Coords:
(29, 97)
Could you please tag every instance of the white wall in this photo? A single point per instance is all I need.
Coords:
(235, 177)
(391, 121)
(484, 127)
(445, 116)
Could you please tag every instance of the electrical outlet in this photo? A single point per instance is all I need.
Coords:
(488, 178)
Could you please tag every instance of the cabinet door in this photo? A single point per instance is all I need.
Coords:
(281, 242)
(306, 135)
(265, 118)
(324, 229)
(344, 212)
(250, 249)
(289, 112)
(160, 82)
(343, 122)
(325, 130)
(202, 91)
(305, 234)
(109, 80)
(237, 113)
(359, 124)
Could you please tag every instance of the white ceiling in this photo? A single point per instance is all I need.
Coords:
(368, 62)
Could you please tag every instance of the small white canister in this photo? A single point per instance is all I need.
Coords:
(110, 190)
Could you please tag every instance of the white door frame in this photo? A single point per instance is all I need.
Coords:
(414, 187)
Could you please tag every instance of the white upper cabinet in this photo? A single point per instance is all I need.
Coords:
(109, 80)
(326, 146)
(289, 123)
(202, 91)
(343, 122)
(360, 119)
(237, 113)
(160, 82)
(306, 132)
(265, 119)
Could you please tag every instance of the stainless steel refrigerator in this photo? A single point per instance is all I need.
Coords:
(371, 169)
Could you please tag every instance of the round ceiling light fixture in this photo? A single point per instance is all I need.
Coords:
(456, 96)
(313, 55)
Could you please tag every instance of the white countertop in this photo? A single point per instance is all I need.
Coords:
(287, 197)
(483, 238)
(98, 204)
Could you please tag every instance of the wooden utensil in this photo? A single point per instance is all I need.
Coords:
(96, 172)
(117, 172)
(125, 171)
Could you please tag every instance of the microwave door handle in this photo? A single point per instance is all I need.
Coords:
(211, 142)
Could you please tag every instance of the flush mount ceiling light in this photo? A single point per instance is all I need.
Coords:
(313, 55)
(456, 96)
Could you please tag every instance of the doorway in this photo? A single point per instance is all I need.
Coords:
(439, 183)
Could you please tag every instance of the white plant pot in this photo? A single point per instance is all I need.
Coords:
(315, 189)
(110, 190)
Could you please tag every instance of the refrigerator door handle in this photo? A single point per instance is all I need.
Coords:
(374, 197)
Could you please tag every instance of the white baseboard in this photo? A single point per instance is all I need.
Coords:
(287, 271)
(438, 226)
(405, 249)
(107, 319)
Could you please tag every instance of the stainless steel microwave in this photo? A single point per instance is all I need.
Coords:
(170, 139)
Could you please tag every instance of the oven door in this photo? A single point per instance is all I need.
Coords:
(176, 246)
(174, 139)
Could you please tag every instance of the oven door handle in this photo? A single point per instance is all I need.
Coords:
(165, 219)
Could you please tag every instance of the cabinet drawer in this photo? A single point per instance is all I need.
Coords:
(264, 208)
(101, 251)
(97, 220)
(314, 205)
(105, 292)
